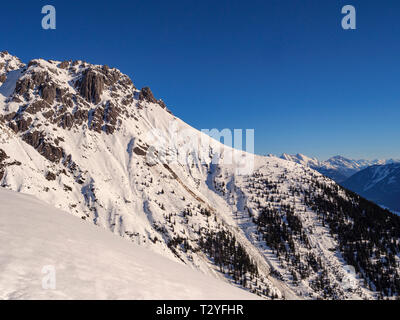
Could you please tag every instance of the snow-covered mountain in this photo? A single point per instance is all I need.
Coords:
(88, 262)
(84, 139)
(380, 184)
(337, 168)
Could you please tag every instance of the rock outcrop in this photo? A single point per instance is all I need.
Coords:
(37, 140)
(146, 95)
(3, 157)
(91, 86)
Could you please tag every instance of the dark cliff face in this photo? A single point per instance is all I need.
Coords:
(3, 157)
(146, 95)
(92, 85)
(38, 140)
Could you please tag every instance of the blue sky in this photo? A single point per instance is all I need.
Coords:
(284, 67)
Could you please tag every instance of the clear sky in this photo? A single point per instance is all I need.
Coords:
(285, 68)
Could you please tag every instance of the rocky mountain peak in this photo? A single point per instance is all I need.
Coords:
(8, 63)
(146, 94)
(49, 95)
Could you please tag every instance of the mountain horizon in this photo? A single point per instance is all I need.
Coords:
(338, 168)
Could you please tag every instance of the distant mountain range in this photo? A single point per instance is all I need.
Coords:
(375, 180)
(337, 168)
(380, 184)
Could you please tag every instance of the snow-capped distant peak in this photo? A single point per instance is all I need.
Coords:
(338, 167)
(301, 159)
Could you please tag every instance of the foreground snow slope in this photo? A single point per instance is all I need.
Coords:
(90, 262)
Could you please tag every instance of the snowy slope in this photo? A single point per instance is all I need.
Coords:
(90, 263)
(88, 156)
(84, 139)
